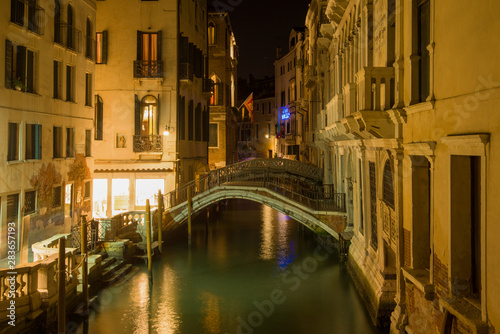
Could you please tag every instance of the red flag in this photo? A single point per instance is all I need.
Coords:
(249, 105)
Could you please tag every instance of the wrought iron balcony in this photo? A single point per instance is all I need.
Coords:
(148, 69)
(23, 11)
(90, 48)
(148, 144)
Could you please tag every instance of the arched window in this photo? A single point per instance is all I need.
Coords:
(70, 41)
(388, 187)
(211, 34)
(149, 116)
(89, 43)
(218, 91)
(57, 22)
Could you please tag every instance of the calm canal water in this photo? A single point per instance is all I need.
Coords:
(252, 270)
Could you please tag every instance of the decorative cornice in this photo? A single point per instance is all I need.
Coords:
(424, 148)
(416, 108)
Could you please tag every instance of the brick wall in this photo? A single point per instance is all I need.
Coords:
(424, 316)
(441, 277)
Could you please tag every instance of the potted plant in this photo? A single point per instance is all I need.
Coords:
(17, 84)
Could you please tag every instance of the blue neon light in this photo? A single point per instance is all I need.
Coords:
(285, 114)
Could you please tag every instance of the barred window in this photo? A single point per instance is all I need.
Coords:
(30, 202)
(56, 197)
(86, 194)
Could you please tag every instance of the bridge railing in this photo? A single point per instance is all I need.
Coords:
(296, 188)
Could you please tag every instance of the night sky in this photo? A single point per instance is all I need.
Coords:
(259, 27)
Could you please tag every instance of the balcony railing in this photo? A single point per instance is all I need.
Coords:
(375, 88)
(148, 144)
(23, 11)
(67, 35)
(148, 69)
(186, 72)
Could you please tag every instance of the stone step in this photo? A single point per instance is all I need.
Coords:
(116, 275)
(111, 270)
(105, 263)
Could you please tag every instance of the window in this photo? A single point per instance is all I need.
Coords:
(33, 141)
(71, 31)
(56, 197)
(35, 15)
(13, 214)
(421, 201)
(211, 34)
(57, 91)
(292, 90)
(70, 142)
(182, 119)
(58, 24)
(89, 40)
(148, 63)
(206, 135)
(29, 202)
(19, 67)
(423, 13)
(70, 85)
(102, 47)
(283, 99)
(88, 89)
(256, 131)
(373, 206)
(190, 120)
(269, 108)
(198, 120)
(466, 219)
(98, 119)
(268, 129)
(388, 187)
(88, 143)
(86, 191)
(13, 150)
(213, 140)
(218, 91)
(57, 140)
(146, 116)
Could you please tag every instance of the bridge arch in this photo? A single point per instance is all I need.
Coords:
(312, 219)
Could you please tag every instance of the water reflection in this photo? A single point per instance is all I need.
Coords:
(235, 265)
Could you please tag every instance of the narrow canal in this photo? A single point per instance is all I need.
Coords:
(250, 270)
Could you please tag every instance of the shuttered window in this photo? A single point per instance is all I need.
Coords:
(102, 47)
(33, 141)
(13, 150)
(99, 118)
(191, 120)
(182, 119)
(57, 141)
(70, 142)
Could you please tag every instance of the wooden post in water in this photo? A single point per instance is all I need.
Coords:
(85, 283)
(160, 220)
(190, 209)
(61, 277)
(148, 241)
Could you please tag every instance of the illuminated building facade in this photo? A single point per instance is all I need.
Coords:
(151, 110)
(290, 100)
(46, 98)
(222, 69)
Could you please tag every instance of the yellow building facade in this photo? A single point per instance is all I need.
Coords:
(47, 106)
(151, 106)
(405, 126)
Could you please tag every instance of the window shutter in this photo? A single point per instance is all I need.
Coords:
(158, 47)
(30, 87)
(137, 116)
(38, 140)
(9, 54)
(158, 113)
(139, 45)
(184, 50)
(105, 47)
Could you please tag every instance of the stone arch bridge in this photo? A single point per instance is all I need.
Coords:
(288, 186)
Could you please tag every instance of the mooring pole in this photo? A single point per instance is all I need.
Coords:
(160, 220)
(61, 271)
(190, 209)
(85, 282)
(148, 241)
